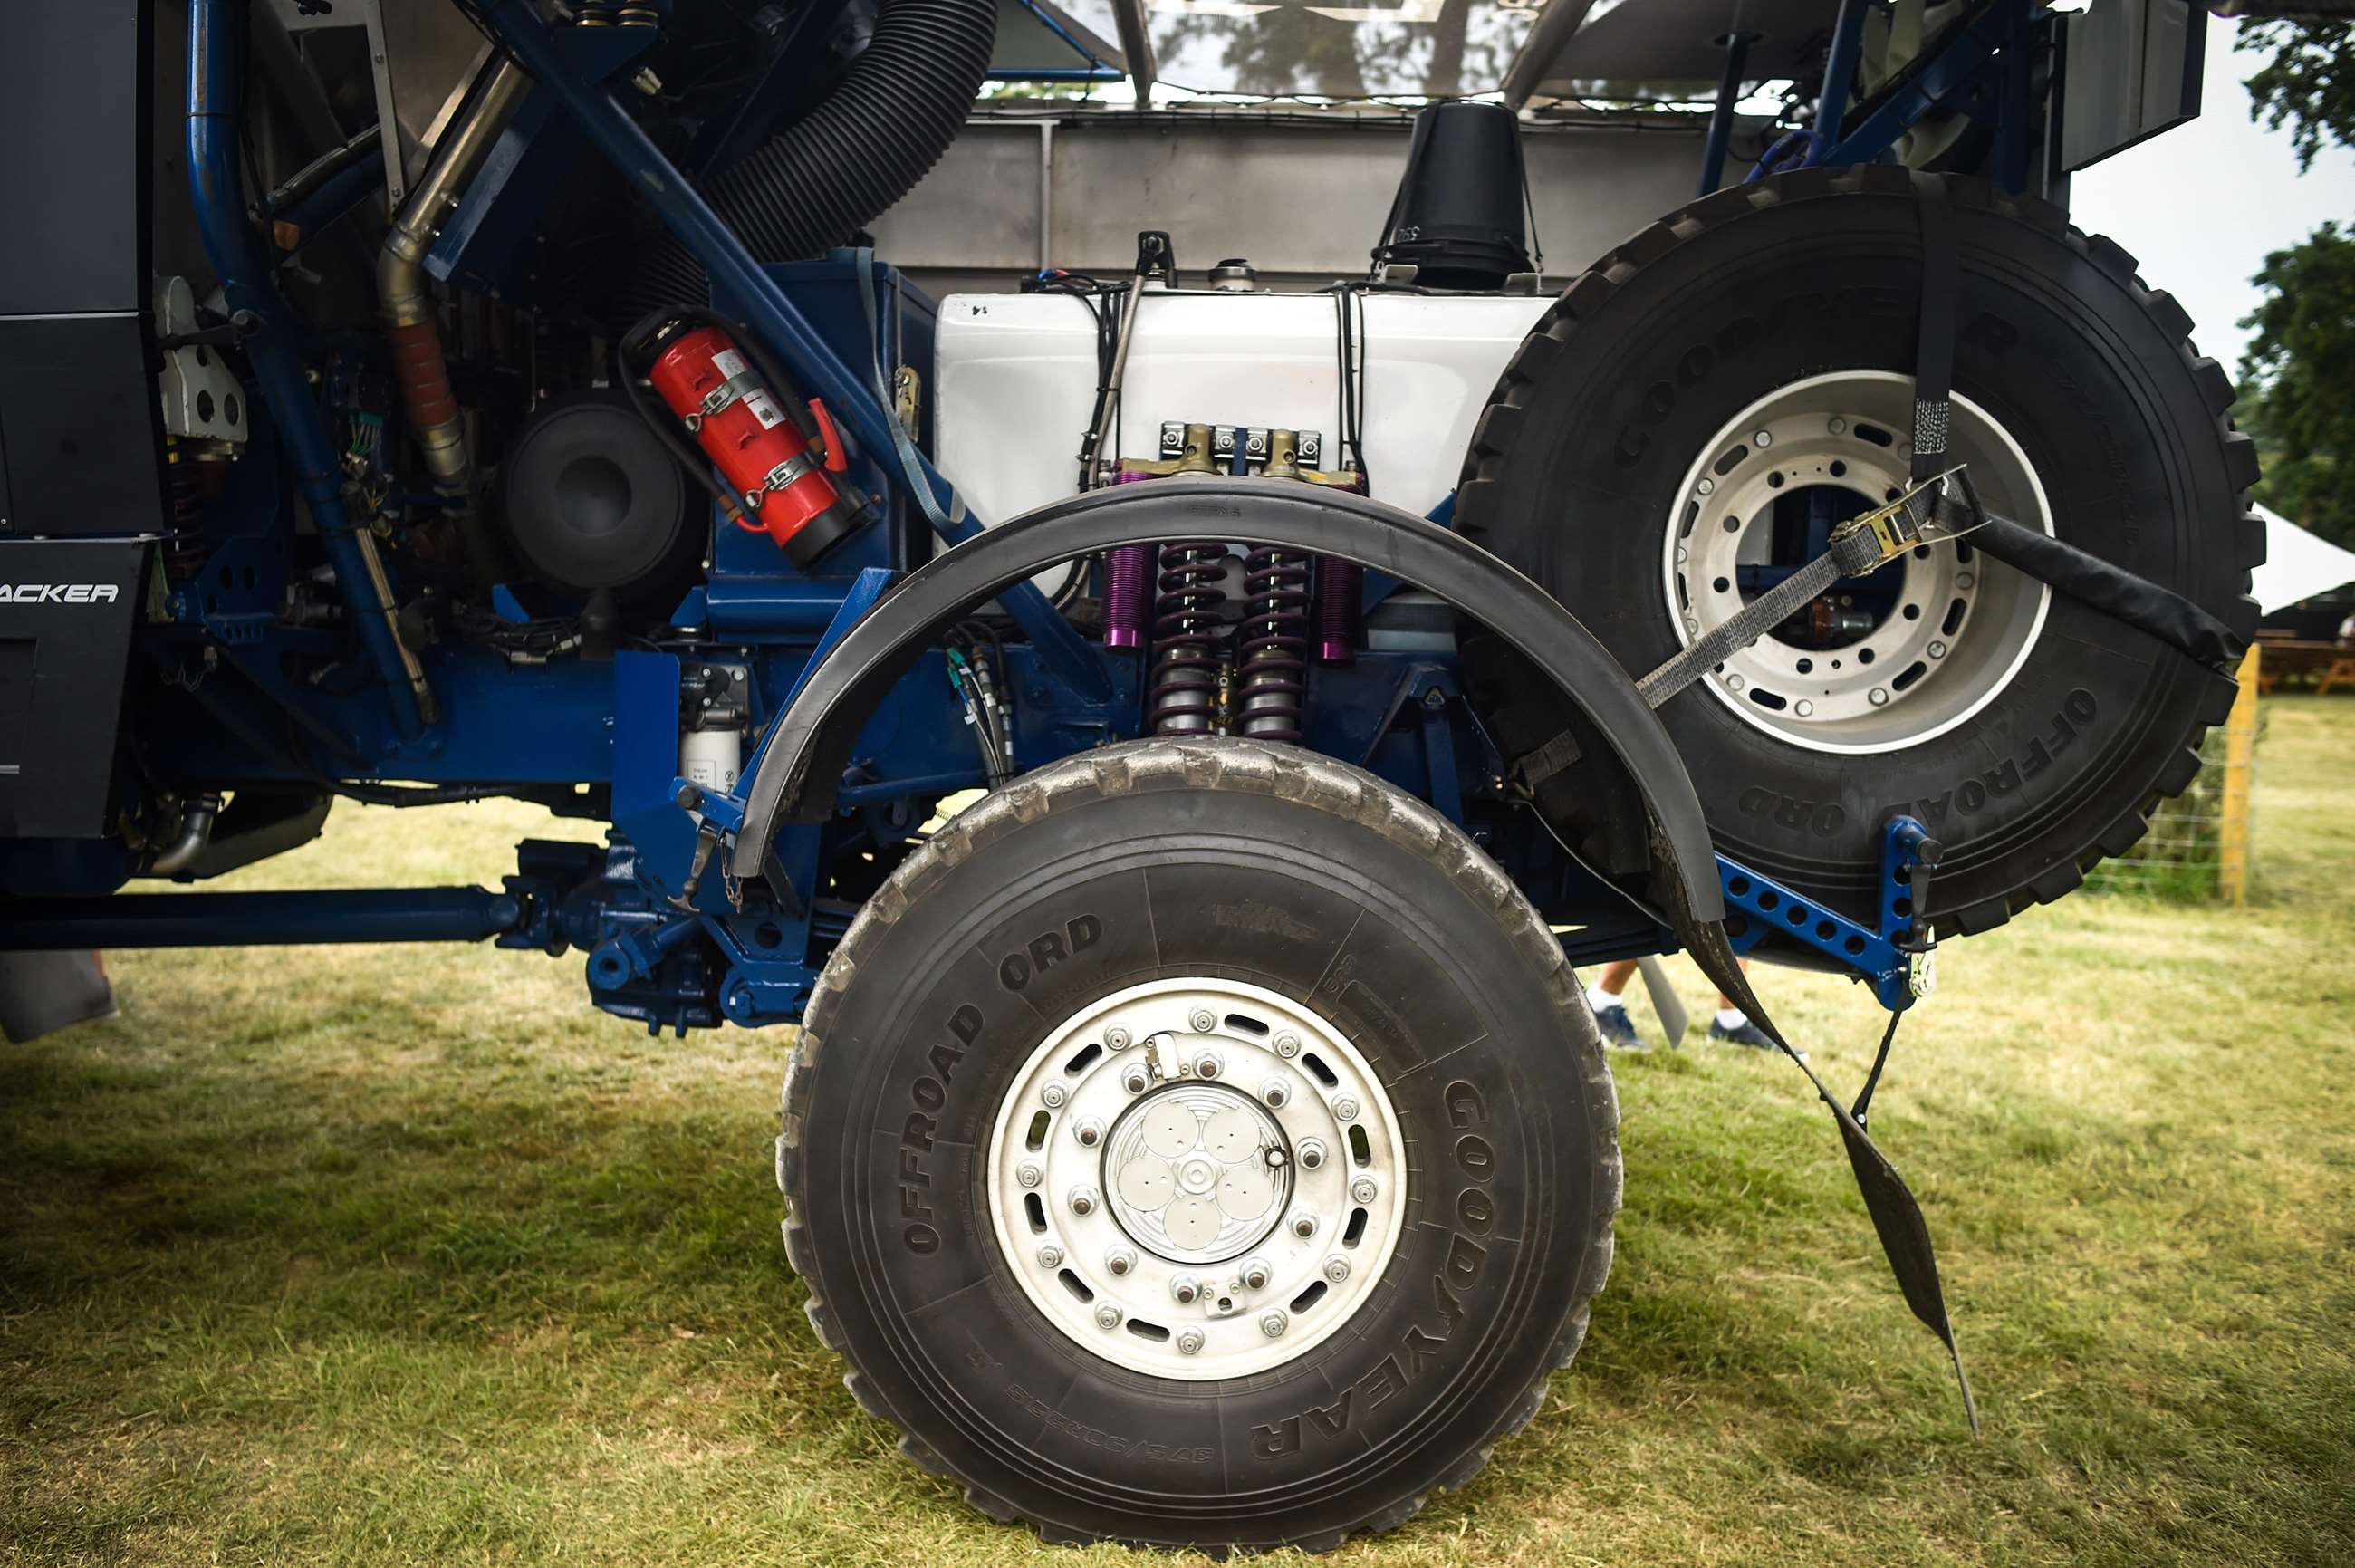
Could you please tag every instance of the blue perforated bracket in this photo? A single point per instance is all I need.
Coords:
(1896, 959)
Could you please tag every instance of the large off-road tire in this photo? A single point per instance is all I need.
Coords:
(1618, 464)
(1199, 1143)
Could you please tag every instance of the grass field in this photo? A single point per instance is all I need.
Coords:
(408, 1255)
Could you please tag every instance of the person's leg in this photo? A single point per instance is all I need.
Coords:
(1607, 997)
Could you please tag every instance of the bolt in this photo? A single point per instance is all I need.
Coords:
(1089, 1131)
(1120, 1260)
(1137, 1079)
(1964, 580)
(1337, 1268)
(1206, 1065)
(1204, 1020)
(1053, 1095)
(1190, 1341)
(1273, 1324)
(1287, 1045)
(1802, 707)
(1117, 1040)
(1083, 1199)
(1734, 683)
(1839, 427)
(1050, 1257)
(1707, 486)
(1185, 1290)
(1346, 1107)
(1434, 699)
(1107, 1315)
(1363, 1191)
(1937, 650)
(1311, 1153)
(1304, 1223)
(1761, 438)
(1878, 697)
(1255, 1273)
(1030, 1175)
(1274, 1093)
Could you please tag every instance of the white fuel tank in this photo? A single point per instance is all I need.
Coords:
(1016, 381)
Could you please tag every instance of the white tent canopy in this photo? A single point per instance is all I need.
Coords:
(2298, 564)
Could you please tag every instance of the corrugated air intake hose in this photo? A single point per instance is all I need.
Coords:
(816, 183)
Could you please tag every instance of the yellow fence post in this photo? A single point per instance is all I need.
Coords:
(2239, 770)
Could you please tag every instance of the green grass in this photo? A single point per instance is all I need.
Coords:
(384, 1255)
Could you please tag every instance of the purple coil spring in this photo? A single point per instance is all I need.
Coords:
(1185, 636)
(1273, 661)
(1340, 609)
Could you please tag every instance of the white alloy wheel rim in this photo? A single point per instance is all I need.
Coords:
(1917, 656)
(1197, 1178)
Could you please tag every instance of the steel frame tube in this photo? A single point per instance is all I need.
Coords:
(260, 920)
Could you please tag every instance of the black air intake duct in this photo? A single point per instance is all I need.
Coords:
(1458, 214)
(823, 178)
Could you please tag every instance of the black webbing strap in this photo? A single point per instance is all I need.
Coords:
(1933, 340)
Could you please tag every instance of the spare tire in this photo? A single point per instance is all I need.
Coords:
(1702, 404)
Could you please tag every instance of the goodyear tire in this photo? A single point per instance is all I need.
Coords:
(1199, 1143)
(1620, 462)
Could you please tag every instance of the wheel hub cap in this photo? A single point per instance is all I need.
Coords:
(1200, 1170)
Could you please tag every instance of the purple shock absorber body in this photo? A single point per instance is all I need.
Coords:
(1340, 605)
(1128, 588)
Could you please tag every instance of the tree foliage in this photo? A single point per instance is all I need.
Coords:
(2298, 382)
(2308, 85)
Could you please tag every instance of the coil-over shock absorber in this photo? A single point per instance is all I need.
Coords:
(1186, 628)
(185, 549)
(1272, 663)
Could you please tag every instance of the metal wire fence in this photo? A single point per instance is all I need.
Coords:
(2198, 845)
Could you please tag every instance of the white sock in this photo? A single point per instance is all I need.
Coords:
(1731, 1018)
(1598, 998)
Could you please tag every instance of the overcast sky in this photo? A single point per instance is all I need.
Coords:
(2202, 205)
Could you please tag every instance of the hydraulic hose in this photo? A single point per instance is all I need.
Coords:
(816, 183)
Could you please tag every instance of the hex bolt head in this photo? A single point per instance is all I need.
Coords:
(1761, 438)
(1107, 1315)
(1273, 1324)
(1311, 1153)
(1337, 1268)
(1208, 1065)
(1120, 1260)
(1937, 650)
(1304, 1223)
(1204, 1020)
(1030, 1175)
(1346, 1107)
(1137, 1079)
(1053, 1095)
(1287, 1045)
(1878, 695)
(1274, 1092)
(1117, 1039)
(1256, 1274)
(1050, 1257)
(1363, 1191)
(1089, 1131)
(1707, 486)
(1185, 1290)
(1839, 427)
(1190, 1341)
(1802, 707)
(1083, 1199)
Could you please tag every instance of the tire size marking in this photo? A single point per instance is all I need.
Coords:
(1097, 1437)
(928, 1094)
(1418, 1347)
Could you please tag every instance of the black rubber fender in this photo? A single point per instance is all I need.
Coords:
(801, 759)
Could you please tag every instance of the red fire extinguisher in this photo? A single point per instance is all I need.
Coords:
(776, 463)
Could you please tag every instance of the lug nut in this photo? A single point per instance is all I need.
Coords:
(1255, 1273)
(1287, 1045)
(1204, 1020)
(1274, 1093)
(1089, 1131)
(1030, 1175)
(1761, 438)
(1185, 1290)
(1346, 1107)
(1050, 1257)
(1304, 1223)
(1120, 1260)
(1137, 1079)
(1190, 1341)
(1117, 1040)
(1273, 1324)
(1311, 1154)
(1083, 1199)
(1363, 1191)
(1107, 1315)
(1053, 1095)
(1208, 1065)
(1337, 1268)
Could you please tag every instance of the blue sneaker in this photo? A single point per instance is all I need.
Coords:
(1619, 1028)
